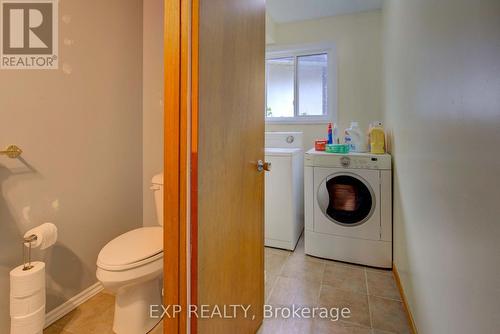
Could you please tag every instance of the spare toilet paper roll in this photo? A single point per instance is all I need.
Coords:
(27, 299)
(29, 324)
(24, 283)
(46, 235)
(22, 306)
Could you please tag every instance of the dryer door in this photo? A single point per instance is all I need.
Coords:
(347, 202)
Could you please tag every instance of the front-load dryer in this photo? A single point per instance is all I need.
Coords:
(348, 207)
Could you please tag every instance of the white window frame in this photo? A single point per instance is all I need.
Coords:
(332, 101)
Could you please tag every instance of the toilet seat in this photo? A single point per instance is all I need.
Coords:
(132, 249)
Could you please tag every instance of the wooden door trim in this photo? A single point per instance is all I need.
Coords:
(194, 24)
(177, 159)
(171, 207)
(185, 161)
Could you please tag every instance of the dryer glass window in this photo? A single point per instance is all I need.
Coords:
(350, 201)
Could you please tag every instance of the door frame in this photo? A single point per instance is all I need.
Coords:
(180, 161)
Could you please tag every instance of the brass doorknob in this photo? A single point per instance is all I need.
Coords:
(261, 166)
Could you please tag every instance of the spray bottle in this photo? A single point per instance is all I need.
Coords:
(330, 133)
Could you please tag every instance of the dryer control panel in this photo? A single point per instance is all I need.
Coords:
(350, 160)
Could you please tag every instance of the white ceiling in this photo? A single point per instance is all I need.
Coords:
(299, 10)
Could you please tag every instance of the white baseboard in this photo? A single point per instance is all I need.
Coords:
(71, 304)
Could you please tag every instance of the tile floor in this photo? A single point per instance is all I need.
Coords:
(371, 295)
(292, 278)
(95, 316)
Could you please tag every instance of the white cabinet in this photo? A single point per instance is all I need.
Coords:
(284, 197)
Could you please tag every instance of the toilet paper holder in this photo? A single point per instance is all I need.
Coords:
(27, 241)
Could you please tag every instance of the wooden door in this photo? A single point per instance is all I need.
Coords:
(230, 217)
(214, 110)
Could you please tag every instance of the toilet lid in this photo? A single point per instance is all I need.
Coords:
(133, 246)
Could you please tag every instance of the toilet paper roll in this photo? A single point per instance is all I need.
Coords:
(24, 283)
(46, 235)
(21, 306)
(30, 324)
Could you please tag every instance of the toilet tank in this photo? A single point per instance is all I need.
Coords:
(157, 187)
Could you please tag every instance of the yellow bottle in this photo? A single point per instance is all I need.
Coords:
(377, 139)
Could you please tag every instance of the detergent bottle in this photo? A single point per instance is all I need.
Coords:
(354, 137)
(377, 138)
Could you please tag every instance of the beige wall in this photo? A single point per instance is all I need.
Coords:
(443, 109)
(358, 40)
(152, 134)
(81, 132)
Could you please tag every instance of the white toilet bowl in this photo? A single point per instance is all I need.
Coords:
(131, 267)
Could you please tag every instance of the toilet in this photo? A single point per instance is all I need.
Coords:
(131, 267)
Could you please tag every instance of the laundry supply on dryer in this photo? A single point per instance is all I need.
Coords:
(330, 134)
(377, 138)
(355, 138)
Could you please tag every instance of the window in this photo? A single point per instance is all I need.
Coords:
(300, 86)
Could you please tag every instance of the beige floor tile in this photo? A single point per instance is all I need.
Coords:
(158, 329)
(356, 302)
(288, 291)
(304, 268)
(352, 265)
(93, 316)
(53, 329)
(274, 263)
(291, 278)
(380, 271)
(297, 326)
(270, 282)
(345, 277)
(388, 315)
(382, 285)
(276, 251)
(323, 326)
(379, 331)
(300, 256)
(102, 325)
(270, 326)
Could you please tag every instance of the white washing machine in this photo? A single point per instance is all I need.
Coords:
(348, 207)
(284, 193)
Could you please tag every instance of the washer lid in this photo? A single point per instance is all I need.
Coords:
(284, 139)
(133, 246)
(282, 151)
